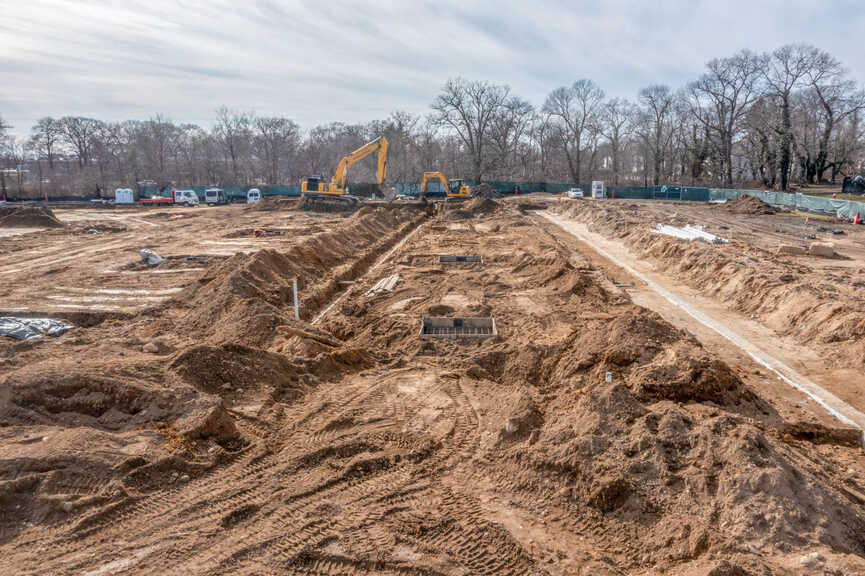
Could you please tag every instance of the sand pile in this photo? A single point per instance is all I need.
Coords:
(747, 204)
(28, 216)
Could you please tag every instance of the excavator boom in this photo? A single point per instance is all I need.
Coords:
(339, 182)
(340, 177)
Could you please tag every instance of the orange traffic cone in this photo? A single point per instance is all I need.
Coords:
(856, 219)
(806, 220)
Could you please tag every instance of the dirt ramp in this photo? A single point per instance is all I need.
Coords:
(28, 216)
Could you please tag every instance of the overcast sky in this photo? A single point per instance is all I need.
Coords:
(320, 61)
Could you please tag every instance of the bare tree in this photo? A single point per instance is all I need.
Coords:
(277, 140)
(78, 133)
(617, 117)
(573, 110)
(760, 144)
(837, 98)
(787, 69)
(509, 127)
(657, 107)
(45, 139)
(233, 131)
(720, 98)
(468, 108)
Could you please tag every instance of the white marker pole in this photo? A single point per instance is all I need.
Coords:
(296, 310)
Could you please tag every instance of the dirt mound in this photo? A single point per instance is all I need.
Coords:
(749, 278)
(235, 369)
(28, 216)
(82, 397)
(747, 204)
(481, 206)
(248, 297)
(665, 466)
(486, 191)
(273, 204)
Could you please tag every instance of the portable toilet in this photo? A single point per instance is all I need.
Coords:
(598, 189)
(124, 196)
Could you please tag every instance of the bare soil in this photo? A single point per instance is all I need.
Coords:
(28, 216)
(212, 432)
(819, 302)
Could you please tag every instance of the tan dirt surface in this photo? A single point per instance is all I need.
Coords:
(212, 433)
(28, 216)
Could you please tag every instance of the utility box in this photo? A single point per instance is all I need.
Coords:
(598, 189)
(124, 196)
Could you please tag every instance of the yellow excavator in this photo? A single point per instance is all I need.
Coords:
(455, 189)
(337, 191)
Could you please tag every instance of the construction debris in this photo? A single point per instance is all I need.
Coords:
(30, 328)
(151, 257)
(386, 284)
(690, 233)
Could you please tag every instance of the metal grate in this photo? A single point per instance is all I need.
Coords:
(466, 259)
(439, 327)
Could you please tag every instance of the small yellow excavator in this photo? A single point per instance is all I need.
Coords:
(337, 191)
(455, 189)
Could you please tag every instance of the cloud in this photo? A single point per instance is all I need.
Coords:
(351, 61)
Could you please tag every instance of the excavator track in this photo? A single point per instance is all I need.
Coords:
(330, 203)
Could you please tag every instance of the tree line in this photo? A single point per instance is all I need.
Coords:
(790, 116)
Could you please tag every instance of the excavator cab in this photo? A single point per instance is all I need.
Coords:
(457, 188)
(312, 184)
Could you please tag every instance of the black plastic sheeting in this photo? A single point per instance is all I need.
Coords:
(28, 328)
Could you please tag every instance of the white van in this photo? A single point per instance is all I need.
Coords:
(186, 197)
(214, 196)
(253, 196)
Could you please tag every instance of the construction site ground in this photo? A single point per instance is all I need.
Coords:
(190, 424)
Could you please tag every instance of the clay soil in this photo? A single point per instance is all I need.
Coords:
(210, 432)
